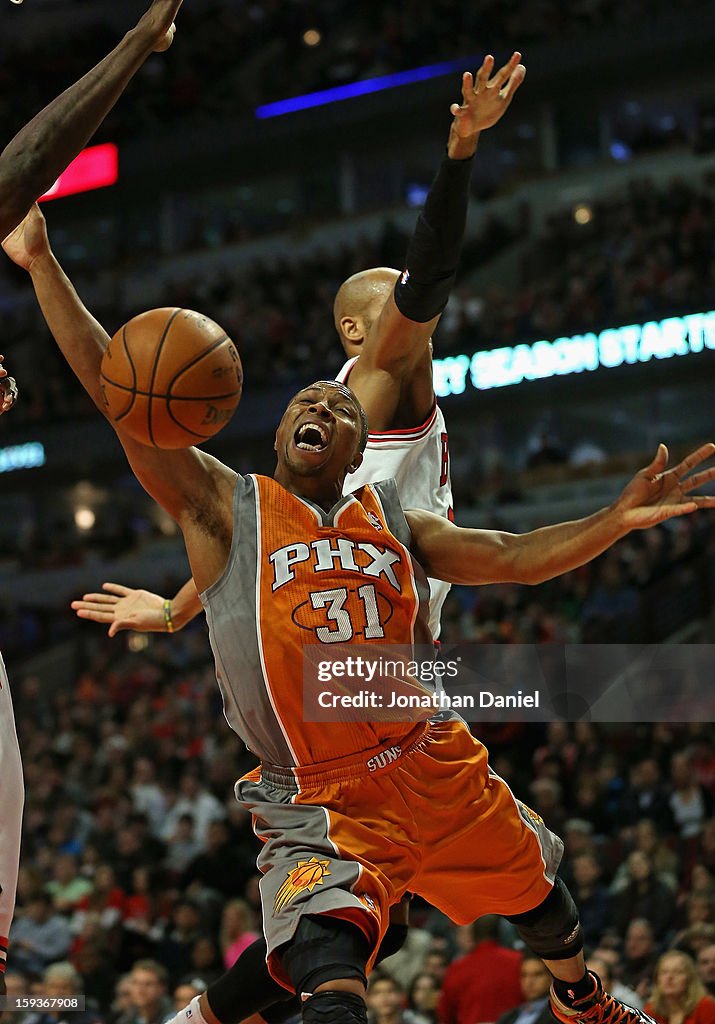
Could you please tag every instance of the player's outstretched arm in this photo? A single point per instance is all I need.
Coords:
(193, 487)
(40, 152)
(29, 247)
(8, 389)
(140, 610)
(411, 314)
(654, 494)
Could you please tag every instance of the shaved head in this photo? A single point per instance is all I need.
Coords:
(360, 299)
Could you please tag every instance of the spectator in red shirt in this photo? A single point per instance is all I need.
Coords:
(679, 996)
(484, 984)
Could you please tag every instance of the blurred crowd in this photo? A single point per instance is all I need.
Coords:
(290, 48)
(618, 598)
(645, 252)
(279, 312)
(138, 883)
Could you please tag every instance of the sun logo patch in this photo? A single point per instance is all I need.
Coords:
(306, 875)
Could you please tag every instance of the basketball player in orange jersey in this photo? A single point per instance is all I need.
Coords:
(390, 356)
(393, 379)
(290, 561)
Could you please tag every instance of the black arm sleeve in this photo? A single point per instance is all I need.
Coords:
(422, 291)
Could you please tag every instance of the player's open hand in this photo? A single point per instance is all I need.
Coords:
(8, 389)
(657, 493)
(29, 239)
(158, 22)
(485, 99)
(123, 608)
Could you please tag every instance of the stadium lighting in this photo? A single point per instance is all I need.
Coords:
(583, 214)
(22, 456)
(84, 518)
(96, 167)
(615, 346)
(368, 85)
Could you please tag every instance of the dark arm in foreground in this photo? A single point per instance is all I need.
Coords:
(32, 161)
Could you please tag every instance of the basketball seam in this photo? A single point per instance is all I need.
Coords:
(154, 369)
(133, 388)
(193, 362)
(202, 437)
(169, 398)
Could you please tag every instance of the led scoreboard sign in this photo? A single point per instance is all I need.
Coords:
(615, 346)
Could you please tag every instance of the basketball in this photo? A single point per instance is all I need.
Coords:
(171, 378)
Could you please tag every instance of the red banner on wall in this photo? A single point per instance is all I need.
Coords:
(96, 167)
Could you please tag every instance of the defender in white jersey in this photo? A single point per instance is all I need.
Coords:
(10, 767)
(418, 461)
(11, 818)
(385, 320)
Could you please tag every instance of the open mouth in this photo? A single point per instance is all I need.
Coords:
(311, 437)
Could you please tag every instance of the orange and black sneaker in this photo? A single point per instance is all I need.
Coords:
(597, 1008)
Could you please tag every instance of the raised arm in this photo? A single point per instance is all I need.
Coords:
(194, 488)
(140, 610)
(457, 555)
(400, 340)
(40, 152)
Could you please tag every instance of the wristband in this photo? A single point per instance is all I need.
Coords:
(167, 616)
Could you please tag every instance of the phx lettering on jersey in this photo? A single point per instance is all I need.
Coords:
(326, 558)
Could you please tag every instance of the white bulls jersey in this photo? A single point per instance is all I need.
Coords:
(418, 461)
(13, 798)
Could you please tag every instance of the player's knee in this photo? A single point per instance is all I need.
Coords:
(329, 1007)
(552, 930)
(324, 950)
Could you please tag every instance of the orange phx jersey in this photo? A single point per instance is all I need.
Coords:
(352, 815)
(299, 576)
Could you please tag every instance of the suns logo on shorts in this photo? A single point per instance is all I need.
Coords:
(306, 875)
